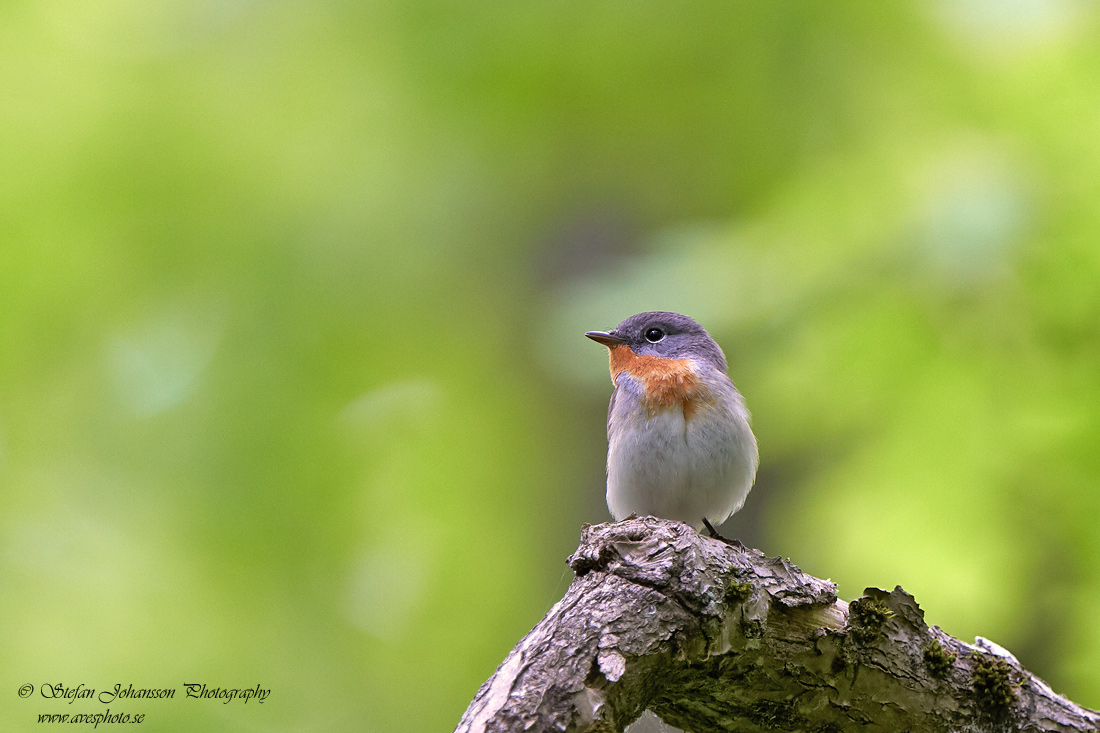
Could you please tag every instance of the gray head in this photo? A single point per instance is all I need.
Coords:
(664, 334)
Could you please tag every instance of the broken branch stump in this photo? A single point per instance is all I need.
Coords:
(715, 638)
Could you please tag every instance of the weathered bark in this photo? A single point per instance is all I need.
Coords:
(716, 638)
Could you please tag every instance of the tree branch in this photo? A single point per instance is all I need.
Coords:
(714, 638)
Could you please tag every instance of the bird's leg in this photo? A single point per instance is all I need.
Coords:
(714, 533)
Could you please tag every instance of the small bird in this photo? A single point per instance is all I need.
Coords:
(679, 442)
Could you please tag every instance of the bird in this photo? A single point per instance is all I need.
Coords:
(680, 444)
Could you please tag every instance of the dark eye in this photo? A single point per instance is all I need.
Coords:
(653, 335)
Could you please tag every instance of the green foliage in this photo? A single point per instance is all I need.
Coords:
(292, 381)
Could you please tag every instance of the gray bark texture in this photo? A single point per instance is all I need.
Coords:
(713, 637)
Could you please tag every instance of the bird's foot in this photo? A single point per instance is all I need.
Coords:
(714, 533)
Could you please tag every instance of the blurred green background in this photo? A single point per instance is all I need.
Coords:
(293, 390)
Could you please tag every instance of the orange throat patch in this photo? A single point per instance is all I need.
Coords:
(670, 384)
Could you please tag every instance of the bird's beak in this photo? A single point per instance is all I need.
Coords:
(605, 338)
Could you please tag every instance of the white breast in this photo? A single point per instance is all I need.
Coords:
(680, 469)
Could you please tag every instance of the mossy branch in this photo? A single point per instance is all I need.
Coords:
(714, 638)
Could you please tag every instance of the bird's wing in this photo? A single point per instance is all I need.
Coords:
(610, 409)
